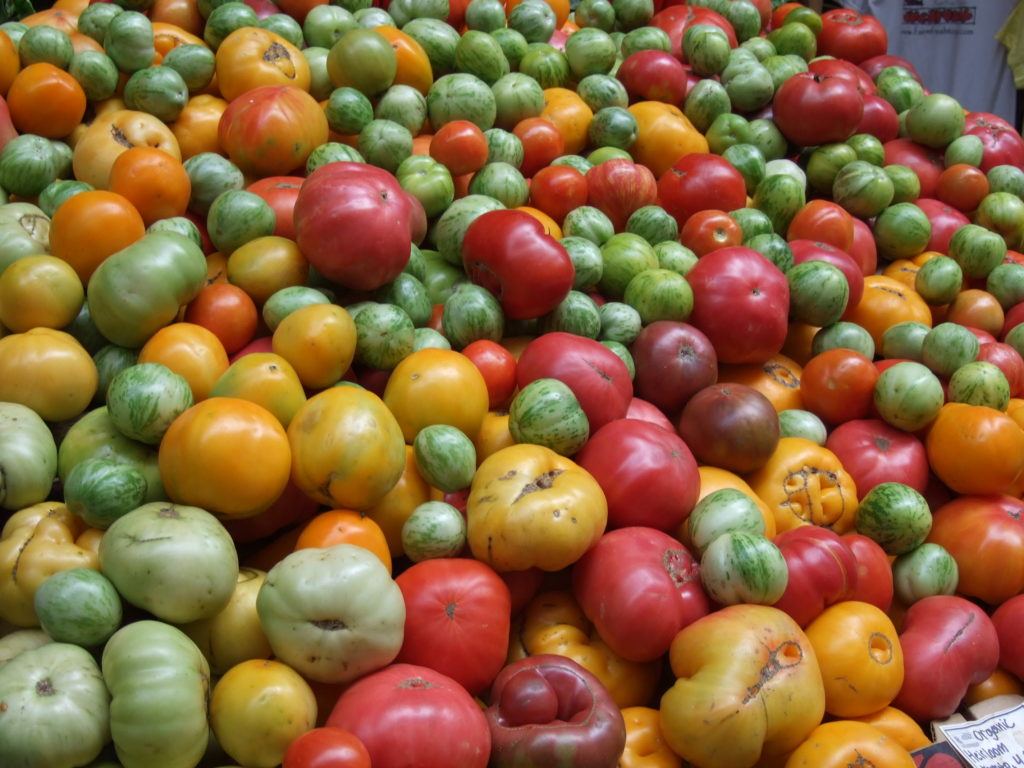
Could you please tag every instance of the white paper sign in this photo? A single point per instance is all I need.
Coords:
(996, 741)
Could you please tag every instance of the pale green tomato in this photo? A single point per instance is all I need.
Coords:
(176, 561)
(55, 708)
(159, 683)
(28, 457)
(21, 640)
(723, 511)
(332, 614)
(434, 529)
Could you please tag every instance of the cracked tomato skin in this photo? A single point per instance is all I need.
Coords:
(749, 686)
(530, 507)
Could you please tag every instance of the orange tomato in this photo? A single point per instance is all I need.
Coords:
(10, 64)
(899, 726)
(570, 115)
(196, 126)
(437, 386)
(664, 135)
(81, 42)
(778, 379)
(391, 511)
(319, 340)
(168, 35)
(226, 311)
(46, 100)
(345, 526)
(252, 56)
(64, 20)
(189, 350)
(494, 435)
(999, 683)
(975, 449)
(265, 265)
(229, 456)
(976, 308)
(886, 302)
(962, 186)
(903, 270)
(89, 227)
(153, 181)
(183, 14)
(414, 67)
(112, 132)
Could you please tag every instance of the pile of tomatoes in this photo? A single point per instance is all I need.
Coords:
(450, 383)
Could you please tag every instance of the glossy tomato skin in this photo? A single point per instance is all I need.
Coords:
(847, 34)
(498, 367)
(509, 253)
(280, 192)
(639, 587)
(741, 303)
(595, 374)
(807, 250)
(648, 474)
(812, 109)
(557, 190)
(879, 119)
(414, 717)
(841, 68)
(697, 178)
(822, 571)
(676, 19)
(618, 187)
(1002, 144)
(457, 619)
(353, 222)
(1008, 619)
(945, 220)
(926, 162)
(673, 362)
(874, 582)
(653, 75)
(326, 748)
(874, 452)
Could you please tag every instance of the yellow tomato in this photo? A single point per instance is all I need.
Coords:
(265, 265)
(664, 135)
(265, 379)
(48, 371)
(645, 746)
(842, 743)
(196, 126)
(391, 512)
(234, 635)
(39, 291)
(437, 386)
(570, 115)
(112, 133)
(191, 351)
(860, 657)
(226, 455)
(319, 340)
(494, 435)
(899, 726)
(251, 57)
(347, 448)
(258, 708)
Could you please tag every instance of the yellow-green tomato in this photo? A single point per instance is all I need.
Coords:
(258, 708)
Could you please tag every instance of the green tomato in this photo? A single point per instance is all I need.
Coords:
(723, 511)
(102, 490)
(56, 708)
(145, 398)
(796, 422)
(546, 412)
(78, 606)
(332, 614)
(159, 683)
(895, 516)
(176, 561)
(924, 571)
(908, 396)
(236, 217)
(743, 567)
(28, 457)
(445, 457)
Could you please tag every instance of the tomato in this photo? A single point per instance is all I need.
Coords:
(978, 531)
(687, 186)
(542, 143)
(227, 311)
(39, 291)
(675, 20)
(975, 449)
(196, 126)
(570, 115)
(110, 134)
(619, 187)
(46, 101)
(664, 135)
(648, 474)
(498, 367)
(326, 747)
(823, 221)
(251, 57)
(270, 130)
(1001, 143)
(653, 75)
(1008, 619)
(673, 361)
(458, 613)
(265, 265)
(838, 385)
(874, 452)
(460, 146)
(413, 64)
(812, 109)
(339, 526)
(319, 340)
(741, 302)
(89, 227)
(407, 713)
(847, 34)
(639, 587)
(822, 571)
(926, 162)
(153, 181)
(874, 582)
(47, 370)
(558, 189)
(189, 350)
(709, 230)
(963, 186)
(886, 302)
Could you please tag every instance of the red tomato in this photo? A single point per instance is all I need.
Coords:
(460, 146)
(542, 143)
(945, 220)
(874, 452)
(813, 109)
(822, 571)
(1001, 144)
(280, 192)
(498, 367)
(644, 411)
(849, 70)
(709, 230)
(697, 178)
(326, 748)
(673, 362)
(457, 617)
(558, 189)
(879, 118)
(864, 251)
(619, 187)
(825, 222)
(639, 587)
(963, 186)
(874, 574)
(648, 474)
(847, 34)
(926, 162)
(741, 303)
(653, 75)
(838, 385)
(227, 311)
(1008, 360)
(595, 374)
(411, 715)
(1008, 620)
